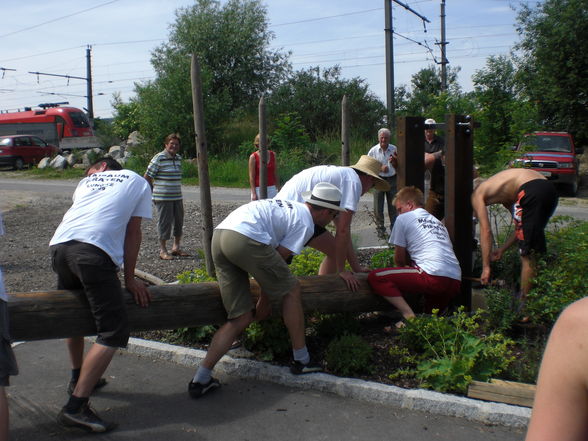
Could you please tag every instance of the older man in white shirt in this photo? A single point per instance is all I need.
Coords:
(386, 154)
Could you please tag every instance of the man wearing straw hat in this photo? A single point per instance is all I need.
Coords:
(353, 181)
(257, 239)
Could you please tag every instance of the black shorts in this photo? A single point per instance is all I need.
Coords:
(83, 266)
(536, 202)
(8, 364)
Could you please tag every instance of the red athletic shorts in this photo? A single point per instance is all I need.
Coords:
(404, 281)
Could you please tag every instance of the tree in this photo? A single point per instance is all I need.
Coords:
(553, 67)
(237, 66)
(316, 97)
(503, 112)
(425, 92)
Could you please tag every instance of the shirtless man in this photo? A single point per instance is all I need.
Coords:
(531, 199)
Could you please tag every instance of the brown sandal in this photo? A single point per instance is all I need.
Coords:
(165, 256)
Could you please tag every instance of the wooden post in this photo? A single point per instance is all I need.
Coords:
(344, 131)
(458, 191)
(263, 154)
(201, 149)
(410, 138)
(60, 314)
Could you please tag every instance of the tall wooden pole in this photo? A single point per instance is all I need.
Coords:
(345, 131)
(201, 150)
(263, 154)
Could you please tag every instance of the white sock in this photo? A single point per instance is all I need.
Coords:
(301, 355)
(202, 375)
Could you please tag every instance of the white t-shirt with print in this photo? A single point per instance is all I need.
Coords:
(272, 222)
(427, 241)
(103, 204)
(345, 179)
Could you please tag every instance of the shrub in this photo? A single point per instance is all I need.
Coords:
(330, 326)
(561, 274)
(383, 259)
(189, 336)
(307, 263)
(269, 338)
(502, 311)
(348, 355)
(452, 351)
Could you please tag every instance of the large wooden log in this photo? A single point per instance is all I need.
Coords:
(60, 314)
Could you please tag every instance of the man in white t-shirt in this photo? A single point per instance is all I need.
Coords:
(100, 232)
(353, 181)
(423, 253)
(385, 153)
(257, 239)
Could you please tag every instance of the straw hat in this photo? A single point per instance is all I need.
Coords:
(371, 166)
(324, 195)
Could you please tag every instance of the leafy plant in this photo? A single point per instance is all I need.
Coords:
(197, 334)
(501, 313)
(452, 351)
(383, 259)
(330, 326)
(307, 263)
(560, 278)
(269, 338)
(348, 355)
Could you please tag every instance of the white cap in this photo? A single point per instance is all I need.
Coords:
(430, 121)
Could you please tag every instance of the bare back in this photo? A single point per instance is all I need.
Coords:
(503, 187)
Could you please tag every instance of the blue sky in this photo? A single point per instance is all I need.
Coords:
(51, 36)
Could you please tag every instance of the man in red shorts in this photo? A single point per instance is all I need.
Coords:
(532, 199)
(424, 257)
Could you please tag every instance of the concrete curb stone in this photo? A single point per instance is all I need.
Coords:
(414, 399)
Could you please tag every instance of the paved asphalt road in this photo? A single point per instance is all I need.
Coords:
(149, 401)
(362, 228)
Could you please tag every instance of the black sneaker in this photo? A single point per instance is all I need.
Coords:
(196, 390)
(85, 418)
(72, 385)
(298, 368)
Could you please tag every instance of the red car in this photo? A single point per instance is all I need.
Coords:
(554, 155)
(21, 150)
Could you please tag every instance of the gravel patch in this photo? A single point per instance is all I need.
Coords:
(31, 221)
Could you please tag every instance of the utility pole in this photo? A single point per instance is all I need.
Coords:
(88, 78)
(389, 32)
(89, 85)
(389, 65)
(443, 43)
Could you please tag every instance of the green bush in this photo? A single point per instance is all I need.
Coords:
(307, 263)
(502, 311)
(330, 326)
(268, 338)
(348, 355)
(453, 351)
(189, 336)
(561, 273)
(383, 259)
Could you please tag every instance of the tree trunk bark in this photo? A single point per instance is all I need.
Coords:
(60, 314)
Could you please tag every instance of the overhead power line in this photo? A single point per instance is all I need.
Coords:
(57, 19)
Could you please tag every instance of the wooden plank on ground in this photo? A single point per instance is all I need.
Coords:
(509, 392)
